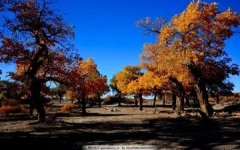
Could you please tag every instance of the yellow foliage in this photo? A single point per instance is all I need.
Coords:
(186, 18)
(165, 34)
(192, 37)
(125, 77)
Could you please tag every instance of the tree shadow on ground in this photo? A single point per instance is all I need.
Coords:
(183, 133)
(16, 117)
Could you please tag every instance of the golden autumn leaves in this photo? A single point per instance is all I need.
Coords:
(189, 53)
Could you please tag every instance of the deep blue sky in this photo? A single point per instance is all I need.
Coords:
(105, 29)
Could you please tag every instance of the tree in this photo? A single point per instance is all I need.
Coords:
(127, 83)
(37, 38)
(86, 81)
(148, 26)
(115, 89)
(150, 82)
(7, 91)
(60, 90)
(191, 50)
(101, 87)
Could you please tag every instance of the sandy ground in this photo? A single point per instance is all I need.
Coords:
(112, 125)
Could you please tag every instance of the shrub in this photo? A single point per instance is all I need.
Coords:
(68, 107)
(109, 99)
(237, 95)
(12, 109)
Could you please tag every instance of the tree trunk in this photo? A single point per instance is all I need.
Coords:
(180, 105)
(140, 102)
(206, 109)
(119, 101)
(154, 99)
(99, 101)
(136, 101)
(60, 99)
(164, 98)
(187, 102)
(173, 101)
(37, 101)
(119, 96)
(31, 107)
(84, 112)
(217, 99)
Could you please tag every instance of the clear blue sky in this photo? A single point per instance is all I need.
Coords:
(105, 29)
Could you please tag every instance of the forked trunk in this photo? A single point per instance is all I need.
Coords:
(206, 109)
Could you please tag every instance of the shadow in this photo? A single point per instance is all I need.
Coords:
(230, 108)
(158, 106)
(103, 115)
(78, 114)
(16, 117)
(168, 133)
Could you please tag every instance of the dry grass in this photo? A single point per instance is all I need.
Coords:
(12, 109)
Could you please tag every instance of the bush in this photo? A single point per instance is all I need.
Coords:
(237, 95)
(68, 107)
(109, 99)
(7, 109)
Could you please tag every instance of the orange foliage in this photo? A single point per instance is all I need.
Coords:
(86, 79)
(194, 37)
(126, 78)
(12, 109)
(68, 107)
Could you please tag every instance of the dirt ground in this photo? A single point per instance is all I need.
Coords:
(112, 125)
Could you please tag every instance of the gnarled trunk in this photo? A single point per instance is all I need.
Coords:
(35, 87)
(206, 109)
(201, 91)
(179, 91)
